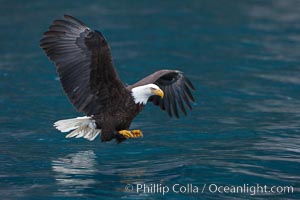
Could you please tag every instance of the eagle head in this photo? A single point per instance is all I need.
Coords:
(142, 93)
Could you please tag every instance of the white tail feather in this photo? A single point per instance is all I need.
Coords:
(82, 127)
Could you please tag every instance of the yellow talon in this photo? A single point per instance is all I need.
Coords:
(137, 133)
(127, 134)
(131, 134)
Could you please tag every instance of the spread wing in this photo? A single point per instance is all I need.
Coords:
(84, 63)
(177, 91)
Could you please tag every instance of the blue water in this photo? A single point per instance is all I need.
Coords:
(242, 56)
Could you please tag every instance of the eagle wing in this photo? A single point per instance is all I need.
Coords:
(177, 91)
(84, 63)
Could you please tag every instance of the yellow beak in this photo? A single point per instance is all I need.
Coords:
(159, 92)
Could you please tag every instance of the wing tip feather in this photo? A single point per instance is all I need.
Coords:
(73, 19)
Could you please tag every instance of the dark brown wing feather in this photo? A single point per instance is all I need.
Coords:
(177, 89)
(84, 64)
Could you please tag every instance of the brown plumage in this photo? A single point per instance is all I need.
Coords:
(84, 64)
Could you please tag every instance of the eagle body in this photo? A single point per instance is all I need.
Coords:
(116, 118)
(84, 64)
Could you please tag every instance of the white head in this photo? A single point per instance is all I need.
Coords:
(142, 93)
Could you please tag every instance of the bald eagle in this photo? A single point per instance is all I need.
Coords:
(84, 64)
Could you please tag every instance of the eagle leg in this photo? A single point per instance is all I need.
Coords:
(131, 134)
